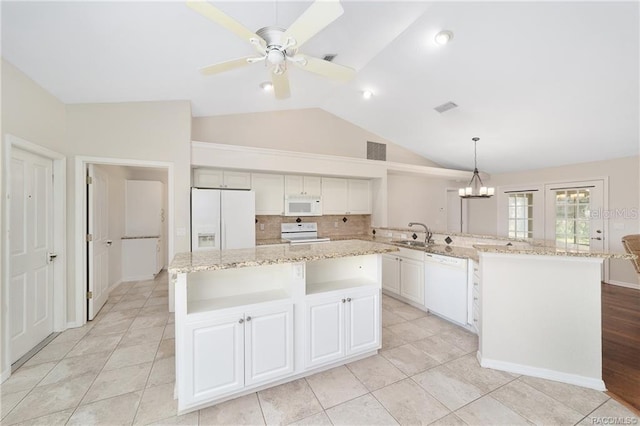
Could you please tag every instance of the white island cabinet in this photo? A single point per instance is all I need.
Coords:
(249, 319)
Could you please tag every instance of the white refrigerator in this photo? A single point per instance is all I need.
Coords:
(222, 219)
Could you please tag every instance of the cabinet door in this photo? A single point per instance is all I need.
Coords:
(312, 186)
(213, 361)
(269, 191)
(359, 196)
(237, 180)
(412, 280)
(207, 178)
(334, 196)
(363, 321)
(293, 185)
(390, 273)
(268, 344)
(324, 330)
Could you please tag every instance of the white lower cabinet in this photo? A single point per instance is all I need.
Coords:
(403, 274)
(341, 325)
(236, 350)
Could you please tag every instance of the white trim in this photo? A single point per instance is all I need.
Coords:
(368, 168)
(81, 163)
(635, 286)
(5, 375)
(59, 239)
(543, 373)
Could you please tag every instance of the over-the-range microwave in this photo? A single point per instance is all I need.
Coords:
(296, 205)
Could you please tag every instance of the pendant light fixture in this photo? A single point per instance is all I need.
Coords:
(475, 188)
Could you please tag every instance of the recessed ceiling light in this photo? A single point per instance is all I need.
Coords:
(367, 94)
(443, 37)
(267, 86)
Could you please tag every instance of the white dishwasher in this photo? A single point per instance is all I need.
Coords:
(446, 286)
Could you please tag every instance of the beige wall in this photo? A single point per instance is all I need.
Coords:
(151, 131)
(624, 190)
(32, 114)
(307, 130)
(417, 199)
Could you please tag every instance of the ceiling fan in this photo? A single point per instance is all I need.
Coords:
(277, 47)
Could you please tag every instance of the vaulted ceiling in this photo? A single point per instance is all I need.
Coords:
(541, 83)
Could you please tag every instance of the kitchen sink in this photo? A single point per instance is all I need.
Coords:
(409, 243)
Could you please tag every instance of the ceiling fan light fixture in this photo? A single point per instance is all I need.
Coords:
(443, 37)
(367, 94)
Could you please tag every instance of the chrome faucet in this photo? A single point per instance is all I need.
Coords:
(427, 233)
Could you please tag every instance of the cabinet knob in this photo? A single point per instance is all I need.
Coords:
(248, 318)
(240, 321)
(348, 299)
(475, 298)
(344, 300)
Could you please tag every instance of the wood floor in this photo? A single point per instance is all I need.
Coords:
(621, 342)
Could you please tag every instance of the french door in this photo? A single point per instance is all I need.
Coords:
(574, 216)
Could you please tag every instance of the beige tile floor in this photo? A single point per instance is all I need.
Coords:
(119, 369)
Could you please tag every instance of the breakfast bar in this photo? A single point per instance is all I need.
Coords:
(541, 312)
(249, 319)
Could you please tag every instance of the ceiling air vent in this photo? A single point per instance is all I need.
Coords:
(446, 107)
(376, 151)
(329, 56)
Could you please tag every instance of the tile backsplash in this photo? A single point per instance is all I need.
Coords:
(328, 226)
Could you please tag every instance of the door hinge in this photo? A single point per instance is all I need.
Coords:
(89, 180)
(89, 237)
(89, 295)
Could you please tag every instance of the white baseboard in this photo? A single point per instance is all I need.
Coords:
(635, 286)
(543, 373)
(138, 278)
(115, 284)
(74, 324)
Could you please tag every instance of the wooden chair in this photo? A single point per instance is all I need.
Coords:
(632, 245)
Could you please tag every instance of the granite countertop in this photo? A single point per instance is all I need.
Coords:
(272, 255)
(139, 237)
(549, 251)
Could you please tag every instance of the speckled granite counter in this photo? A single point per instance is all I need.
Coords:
(549, 251)
(273, 254)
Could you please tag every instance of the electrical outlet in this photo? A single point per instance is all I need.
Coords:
(335, 224)
(262, 226)
(403, 236)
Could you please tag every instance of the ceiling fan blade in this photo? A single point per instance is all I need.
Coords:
(211, 12)
(313, 20)
(280, 85)
(324, 68)
(226, 66)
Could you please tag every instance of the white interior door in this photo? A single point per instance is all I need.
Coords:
(99, 243)
(31, 242)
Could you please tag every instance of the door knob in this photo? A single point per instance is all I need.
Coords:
(109, 242)
(597, 238)
(51, 256)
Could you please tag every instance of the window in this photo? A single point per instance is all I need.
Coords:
(520, 217)
(572, 219)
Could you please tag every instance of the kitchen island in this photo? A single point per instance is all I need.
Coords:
(249, 319)
(541, 312)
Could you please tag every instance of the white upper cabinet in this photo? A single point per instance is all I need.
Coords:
(346, 196)
(302, 185)
(359, 196)
(269, 191)
(226, 179)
